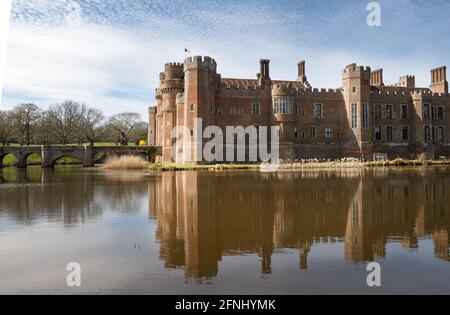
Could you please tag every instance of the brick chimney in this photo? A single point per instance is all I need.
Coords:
(376, 78)
(301, 71)
(265, 74)
(439, 82)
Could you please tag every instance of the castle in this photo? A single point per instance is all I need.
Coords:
(363, 118)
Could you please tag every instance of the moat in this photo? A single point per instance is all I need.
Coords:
(232, 232)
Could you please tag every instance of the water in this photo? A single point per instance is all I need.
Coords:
(224, 232)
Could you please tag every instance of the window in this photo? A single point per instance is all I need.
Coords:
(192, 107)
(377, 112)
(233, 111)
(192, 133)
(440, 113)
(405, 133)
(427, 134)
(441, 134)
(404, 112)
(390, 133)
(212, 109)
(426, 111)
(354, 89)
(283, 105)
(365, 116)
(220, 110)
(241, 111)
(296, 132)
(328, 133)
(312, 132)
(354, 116)
(318, 110)
(300, 111)
(377, 133)
(389, 113)
(256, 109)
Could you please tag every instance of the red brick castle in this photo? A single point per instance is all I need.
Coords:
(360, 119)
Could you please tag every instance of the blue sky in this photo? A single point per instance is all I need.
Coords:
(108, 53)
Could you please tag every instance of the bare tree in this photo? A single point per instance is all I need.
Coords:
(140, 132)
(93, 124)
(44, 133)
(6, 127)
(25, 118)
(123, 125)
(66, 120)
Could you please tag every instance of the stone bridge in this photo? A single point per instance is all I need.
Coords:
(86, 154)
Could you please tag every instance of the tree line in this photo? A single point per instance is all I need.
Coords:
(69, 122)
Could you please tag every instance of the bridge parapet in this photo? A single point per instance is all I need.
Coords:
(50, 154)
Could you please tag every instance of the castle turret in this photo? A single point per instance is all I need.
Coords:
(439, 83)
(172, 83)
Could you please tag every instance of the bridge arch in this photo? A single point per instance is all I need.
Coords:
(79, 158)
(4, 155)
(27, 156)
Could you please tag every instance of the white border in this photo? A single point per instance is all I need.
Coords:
(5, 14)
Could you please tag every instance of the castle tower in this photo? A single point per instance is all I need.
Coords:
(199, 102)
(172, 83)
(356, 85)
(439, 83)
(152, 125)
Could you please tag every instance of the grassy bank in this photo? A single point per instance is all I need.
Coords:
(408, 163)
(300, 165)
(216, 167)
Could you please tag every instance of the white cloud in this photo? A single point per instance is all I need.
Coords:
(109, 53)
(90, 64)
(5, 10)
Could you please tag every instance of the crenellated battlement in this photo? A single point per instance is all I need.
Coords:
(174, 65)
(203, 62)
(289, 90)
(173, 71)
(429, 95)
(355, 71)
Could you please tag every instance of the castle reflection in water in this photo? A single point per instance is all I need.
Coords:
(203, 217)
